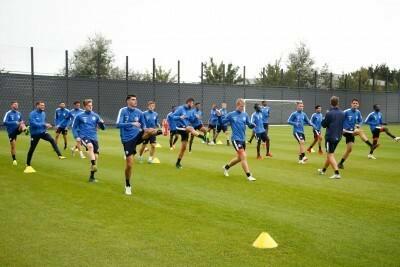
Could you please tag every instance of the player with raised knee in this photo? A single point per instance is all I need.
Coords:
(15, 126)
(86, 124)
(151, 120)
(376, 124)
(223, 127)
(238, 120)
(351, 129)
(212, 124)
(316, 119)
(261, 136)
(173, 133)
(196, 122)
(297, 119)
(61, 120)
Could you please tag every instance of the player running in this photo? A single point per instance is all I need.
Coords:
(15, 126)
(238, 120)
(333, 122)
(38, 128)
(61, 119)
(173, 133)
(196, 122)
(72, 114)
(85, 124)
(222, 127)
(181, 117)
(259, 130)
(297, 119)
(316, 119)
(376, 124)
(151, 121)
(212, 124)
(351, 128)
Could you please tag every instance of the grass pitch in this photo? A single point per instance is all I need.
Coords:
(195, 216)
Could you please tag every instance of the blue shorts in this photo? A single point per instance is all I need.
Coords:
(261, 136)
(130, 146)
(13, 135)
(299, 137)
(237, 145)
(331, 145)
(86, 141)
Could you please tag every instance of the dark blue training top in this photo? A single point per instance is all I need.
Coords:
(333, 122)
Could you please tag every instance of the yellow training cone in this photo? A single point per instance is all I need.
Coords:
(158, 145)
(219, 142)
(264, 240)
(155, 161)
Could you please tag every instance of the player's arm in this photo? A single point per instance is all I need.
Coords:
(100, 123)
(368, 119)
(326, 121)
(176, 116)
(359, 120)
(291, 120)
(120, 120)
(250, 124)
(157, 122)
(307, 121)
(7, 120)
(75, 126)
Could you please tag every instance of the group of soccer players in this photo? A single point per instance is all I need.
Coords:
(138, 127)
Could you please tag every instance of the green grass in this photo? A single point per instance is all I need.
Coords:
(196, 216)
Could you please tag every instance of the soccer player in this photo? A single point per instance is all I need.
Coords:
(85, 124)
(376, 124)
(151, 121)
(257, 120)
(72, 114)
(196, 122)
(333, 122)
(297, 119)
(266, 111)
(351, 128)
(181, 117)
(15, 126)
(61, 119)
(212, 123)
(316, 119)
(222, 127)
(38, 128)
(133, 131)
(173, 133)
(238, 120)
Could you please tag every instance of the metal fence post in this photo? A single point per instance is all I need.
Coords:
(330, 81)
(298, 79)
(179, 81)
(202, 71)
(154, 79)
(127, 74)
(345, 81)
(67, 76)
(281, 81)
(98, 81)
(315, 79)
(33, 78)
(359, 81)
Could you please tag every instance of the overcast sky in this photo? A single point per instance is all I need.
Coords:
(345, 34)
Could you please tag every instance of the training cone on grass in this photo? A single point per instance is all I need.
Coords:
(155, 161)
(264, 240)
(219, 142)
(158, 145)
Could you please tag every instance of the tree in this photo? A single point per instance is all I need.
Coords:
(164, 76)
(217, 73)
(97, 50)
(324, 78)
(300, 66)
(270, 75)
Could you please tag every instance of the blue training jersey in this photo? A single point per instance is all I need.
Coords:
(85, 124)
(195, 117)
(151, 119)
(171, 121)
(316, 119)
(72, 114)
(127, 116)
(213, 120)
(223, 112)
(266, 113)
(11, 120)
(183, 110)
(297, 119)
(61, 117)
(257, 119)
(374, 119)
(351, 119)
(238, 121)
(37, 122)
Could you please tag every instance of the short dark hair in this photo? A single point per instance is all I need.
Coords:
(39, 102)
(355, 99)
(197, 103)
(77, 102)
(334, 101)
(13, 102)
(317, 106)
(190, 99)
(129, 97)
(375, 106)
